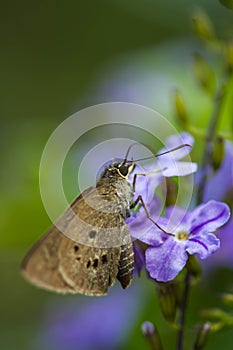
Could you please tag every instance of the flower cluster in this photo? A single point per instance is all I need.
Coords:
(179, 233)
(188, 232)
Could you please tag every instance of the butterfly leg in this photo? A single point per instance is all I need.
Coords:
(140, 199)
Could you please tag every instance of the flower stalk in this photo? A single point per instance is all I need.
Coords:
(183, 309)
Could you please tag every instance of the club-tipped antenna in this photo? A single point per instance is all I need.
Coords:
(155, 155)
(166, 152)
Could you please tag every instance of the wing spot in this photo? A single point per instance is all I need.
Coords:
(92, 234)
(104, 259)
(78, 258)
(88, 264)
(95, 263)
(76, 248)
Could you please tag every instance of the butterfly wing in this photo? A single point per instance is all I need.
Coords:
(64, 264)
(59, 264)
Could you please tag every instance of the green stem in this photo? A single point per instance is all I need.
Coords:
(184, 303)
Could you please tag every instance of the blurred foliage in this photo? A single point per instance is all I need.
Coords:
(52, 55)
(227, 3)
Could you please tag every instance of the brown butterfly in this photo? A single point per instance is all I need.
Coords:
(90, 245)
(100, 248)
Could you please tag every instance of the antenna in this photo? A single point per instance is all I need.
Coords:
(155, 155)
(166, 152)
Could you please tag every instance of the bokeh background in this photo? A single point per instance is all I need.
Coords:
(56, 58)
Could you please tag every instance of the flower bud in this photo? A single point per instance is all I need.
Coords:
(220, 318)
(218, 153)
(217, 314)
(150, 332)
(204, 74)
(180, 109)
(167, 300)
(227, 298)
(202, 25)
(202, 336)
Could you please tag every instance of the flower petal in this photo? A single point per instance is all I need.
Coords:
(138, 223)
(177, 219)
(175, 141)
(177, 214)
(153, 236)
(215, 187)
(166, 261)
(203, 245)
(149, 177)
(139, 258)
(175, 168)
(208, 217)
(146, 185)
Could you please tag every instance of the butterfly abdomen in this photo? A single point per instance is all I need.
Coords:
(126, 264)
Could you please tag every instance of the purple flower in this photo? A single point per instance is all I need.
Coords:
(167, 165)
(139, 258)
(190, 232)
(223, 257)
(138, 222)
(220, 187)
(170, 163)
(215, 187)
(90, 323)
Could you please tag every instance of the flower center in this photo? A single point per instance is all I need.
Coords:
(182, 235)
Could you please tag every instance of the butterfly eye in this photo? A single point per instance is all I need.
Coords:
(124, 170)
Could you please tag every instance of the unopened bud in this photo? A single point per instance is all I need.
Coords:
(202, 25)
(204, 74)
(167, 300)
(180, 109)
(216, 314)
(227, 298)
(218, 153)
(150, 332)
(220, 318)
(202, 336)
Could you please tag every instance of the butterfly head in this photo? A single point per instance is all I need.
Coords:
(125, 168)
(118, 168)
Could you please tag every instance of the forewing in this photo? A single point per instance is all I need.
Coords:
(58, 263)
(62, 264)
